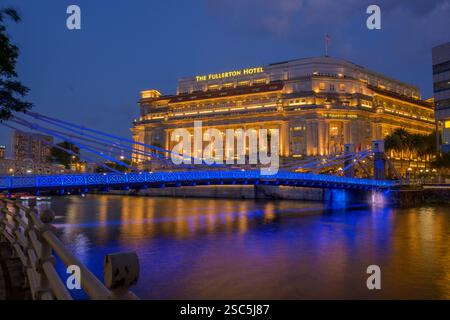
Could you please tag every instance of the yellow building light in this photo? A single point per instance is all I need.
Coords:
(150, 94)
(261, 80)
(447, 124)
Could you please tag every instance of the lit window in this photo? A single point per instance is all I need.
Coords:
(322, 86)
(334, 130)
(447, 124)
(262, 80)
(150, 94)
(213, 87)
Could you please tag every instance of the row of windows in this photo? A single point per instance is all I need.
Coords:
(225, 103)
(442, 85)
(333, 87)
(443, 104)
(442, 67)
(228, 85)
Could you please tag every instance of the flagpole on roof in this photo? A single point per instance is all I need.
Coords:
(327, 42)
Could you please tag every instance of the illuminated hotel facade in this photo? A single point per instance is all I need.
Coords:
(318, 105)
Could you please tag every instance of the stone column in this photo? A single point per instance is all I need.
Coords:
(347, 133)
(166, 142)
(284, 139)
(321, 138)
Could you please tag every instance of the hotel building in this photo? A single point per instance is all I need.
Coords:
(441, 80)
(318, 105)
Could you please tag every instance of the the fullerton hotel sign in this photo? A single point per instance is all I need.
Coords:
(230, 74)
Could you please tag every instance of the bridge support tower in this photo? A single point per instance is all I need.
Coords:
(350, 169)
(379, 160)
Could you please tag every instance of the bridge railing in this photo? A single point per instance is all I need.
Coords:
(32, 237)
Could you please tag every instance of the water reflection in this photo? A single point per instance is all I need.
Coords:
(228, 249)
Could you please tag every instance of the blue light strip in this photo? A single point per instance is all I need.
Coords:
(81, 146)
(186, 177)
(353, 162)
(64, 124)
(101, 141)
(65, 150)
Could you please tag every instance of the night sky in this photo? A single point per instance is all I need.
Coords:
(93, 76)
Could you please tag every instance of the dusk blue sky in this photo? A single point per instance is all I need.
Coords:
(93, 76)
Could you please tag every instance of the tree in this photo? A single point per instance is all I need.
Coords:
(63, 157)
(11, 90)
(402, 142)
(398, 141)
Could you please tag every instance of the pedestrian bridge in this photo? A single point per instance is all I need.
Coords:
(63, 182)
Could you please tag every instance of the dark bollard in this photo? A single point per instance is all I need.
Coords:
(121, 271)
(379, 160)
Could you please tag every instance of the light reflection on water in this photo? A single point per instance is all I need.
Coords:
(245, 249)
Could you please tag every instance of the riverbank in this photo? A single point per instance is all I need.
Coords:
(416, 197)
(232, 192)
(405, 197)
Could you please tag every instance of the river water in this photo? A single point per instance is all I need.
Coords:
(247, 249)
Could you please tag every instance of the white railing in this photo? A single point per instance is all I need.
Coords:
(31, 235)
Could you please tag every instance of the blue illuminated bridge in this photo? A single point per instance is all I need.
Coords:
(104, 149)
(142, 180)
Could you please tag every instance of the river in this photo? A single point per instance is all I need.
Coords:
(248, 249)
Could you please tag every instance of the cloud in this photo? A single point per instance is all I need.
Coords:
(261, 16)
(418, 8)
(280, 17)
(402, 49)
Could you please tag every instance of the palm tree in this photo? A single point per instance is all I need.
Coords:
(401, 141)
(398, 141)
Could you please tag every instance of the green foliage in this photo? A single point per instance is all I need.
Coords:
(11, 90)
(63, 157)
(402, 141)
(116, 166)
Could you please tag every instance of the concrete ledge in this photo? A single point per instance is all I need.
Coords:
(417, 197)
(232, 192)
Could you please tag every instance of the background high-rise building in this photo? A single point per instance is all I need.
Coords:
(36, 147)
(441, 80)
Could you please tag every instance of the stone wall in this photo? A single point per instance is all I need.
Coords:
(232, 192)
(409, 198)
